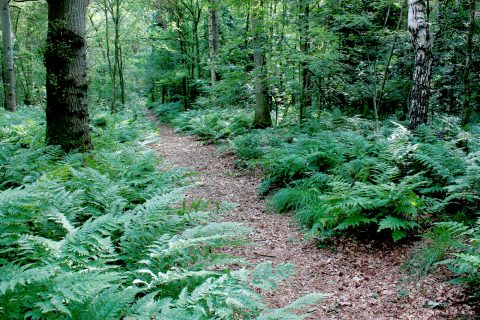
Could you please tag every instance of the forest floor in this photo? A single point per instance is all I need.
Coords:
(364, 278)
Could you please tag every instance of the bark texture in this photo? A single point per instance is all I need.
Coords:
(420, 37)
(213, 39)
(65, 60)
(9, 72)
(262, 108)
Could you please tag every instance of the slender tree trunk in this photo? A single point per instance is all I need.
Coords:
(2, 73)
(185, 93)
(116, 63)
(262, 108)
(467, 108)
(306, 98)
(107, 37)
(29, 79)
(388, 63)
(121, 69)
(65, 61)
(420, 37)
(213, 38)
(184, 53)
(247, 25)
(10, 96)
(197, 47)
(113, 102)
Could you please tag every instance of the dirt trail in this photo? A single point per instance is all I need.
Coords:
(365, 280)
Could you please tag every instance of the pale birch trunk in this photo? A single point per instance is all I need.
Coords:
(9, 72)
(420, 37)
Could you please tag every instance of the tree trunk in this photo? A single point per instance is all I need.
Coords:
(420, 37)
(197, 47)
(262, 108)
(10, 96)
(467, 108)
(107, 37)
(65, 61)
(247, 25)
(213, 38)
(116, 43)
(121, 78)
(28, 74)
(306, 98)
(389, 61)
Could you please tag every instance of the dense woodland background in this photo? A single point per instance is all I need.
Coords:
(352, 55)
(362, 115)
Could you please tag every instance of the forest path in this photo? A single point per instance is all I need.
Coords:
(364, 279)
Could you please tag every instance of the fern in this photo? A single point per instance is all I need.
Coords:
(101, 235)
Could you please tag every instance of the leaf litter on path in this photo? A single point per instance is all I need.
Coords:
(365, 280)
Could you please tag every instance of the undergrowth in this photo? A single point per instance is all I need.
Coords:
(338, 174)
(99, 235)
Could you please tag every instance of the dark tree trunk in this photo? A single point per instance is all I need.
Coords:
(65, 60)
(467, 108)
(420, 37)
(115, 12)
(121, 69)
(262, 107)
(389, 62)
(306, 98)
(213, 38)
(197, 48)
(10, 96)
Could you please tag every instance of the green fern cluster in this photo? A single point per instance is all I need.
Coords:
(391, 180)
(213, 126)
(166, 112)
(450, 243)
(337, 173)
(99, 235)
(464, 260)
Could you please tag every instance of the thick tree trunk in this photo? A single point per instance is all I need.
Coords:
(262, 108)
(420, 37)
(467, 108)
(213, 39)
(306, 99)
(65, 60)
(10, 96)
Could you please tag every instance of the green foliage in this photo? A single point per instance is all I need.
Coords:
(453, 244)
(99, 235)
(211, 126)
(336, 174)
(166, 112)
